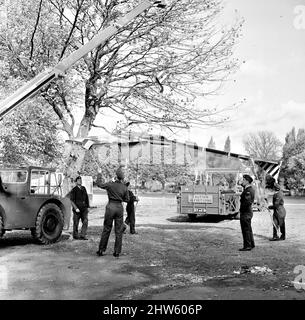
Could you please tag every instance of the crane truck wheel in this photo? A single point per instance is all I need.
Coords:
(2, 231)
(49, 224)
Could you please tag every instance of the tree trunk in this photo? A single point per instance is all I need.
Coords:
(74, 155)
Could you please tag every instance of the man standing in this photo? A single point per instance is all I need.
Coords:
(279, 213)
(117, 193)
(80, 204)
(246, 213)
(130, 209)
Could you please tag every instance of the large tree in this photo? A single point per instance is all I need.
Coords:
(151, 72)
(263, 144)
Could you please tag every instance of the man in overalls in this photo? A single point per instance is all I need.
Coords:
(117, 193)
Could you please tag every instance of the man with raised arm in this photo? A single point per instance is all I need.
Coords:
(117, 193)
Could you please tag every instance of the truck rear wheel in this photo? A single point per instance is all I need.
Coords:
(2, 231)
(49, 224)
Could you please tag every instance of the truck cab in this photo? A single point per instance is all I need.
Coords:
(32, 199)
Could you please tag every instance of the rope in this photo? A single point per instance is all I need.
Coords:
(265, 208)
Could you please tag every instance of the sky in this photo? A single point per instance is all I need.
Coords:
(272, 78)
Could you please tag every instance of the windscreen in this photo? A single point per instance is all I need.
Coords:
(14, 176)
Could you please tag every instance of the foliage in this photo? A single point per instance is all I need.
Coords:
(139, 174)
(296, 171)
(179, 174)
(30, 137)
(263, 145)
(293, 166)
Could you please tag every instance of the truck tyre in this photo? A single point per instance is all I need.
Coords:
(49, 224)
(2, 231)
(192, 216)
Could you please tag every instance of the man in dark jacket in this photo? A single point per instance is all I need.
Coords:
(279, 213)
(80, 204)
(246, 213)
(117, 193)
(130, 209)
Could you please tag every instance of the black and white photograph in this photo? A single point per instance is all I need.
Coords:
(152, 151)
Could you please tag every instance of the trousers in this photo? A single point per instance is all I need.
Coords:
(246, 229)
(280, 224)
(83, 216)
(131, 218)
(114, 212)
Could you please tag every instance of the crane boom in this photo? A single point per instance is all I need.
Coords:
(43, 78)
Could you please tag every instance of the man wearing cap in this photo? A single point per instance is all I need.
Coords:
(246, 213)
(117, 193)
(80, 204)
(279, 213)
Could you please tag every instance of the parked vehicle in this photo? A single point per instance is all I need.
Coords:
(212, 197)
(32, 200)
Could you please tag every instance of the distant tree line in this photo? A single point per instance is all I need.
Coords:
(141, 175)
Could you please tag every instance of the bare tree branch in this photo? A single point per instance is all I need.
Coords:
(35, 28)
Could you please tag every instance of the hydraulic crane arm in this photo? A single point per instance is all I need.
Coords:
(33, 86)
